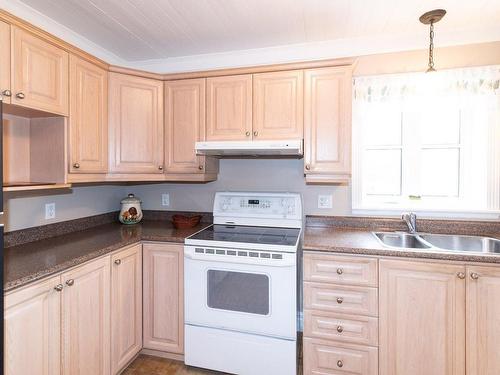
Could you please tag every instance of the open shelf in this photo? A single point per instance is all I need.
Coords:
(27, 186)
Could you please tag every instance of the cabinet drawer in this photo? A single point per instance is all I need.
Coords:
(340, 269)
(322, 358)
(361, 330)
(342, 299)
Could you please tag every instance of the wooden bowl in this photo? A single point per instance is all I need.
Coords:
(185, 222)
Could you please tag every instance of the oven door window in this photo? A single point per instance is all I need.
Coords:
(238, 291)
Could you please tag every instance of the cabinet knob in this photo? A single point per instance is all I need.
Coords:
(118, 262)
(160, 167)
(461, 275)
(7, 93)
(76, 165)
(474, 275)
(20, 95)
(59, 287)
(200, 167)
(255, 133)
(247, 134)
(70, 282)
(340, 363)
(308, 167)
(340, 271)
(340, 300)
(340, 329)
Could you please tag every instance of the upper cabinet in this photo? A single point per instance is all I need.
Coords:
(229, 108)
(135, 124)
(39, 73)
(5, 90)
(327, 124)
(88, 120)
(278, 105)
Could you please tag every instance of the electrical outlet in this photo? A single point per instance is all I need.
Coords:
(325, 201)
(165, 199)
(50, 211)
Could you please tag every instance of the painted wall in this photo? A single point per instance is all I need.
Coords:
(246, 175)
(24, 210)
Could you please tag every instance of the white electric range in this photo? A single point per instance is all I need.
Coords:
(240, 285)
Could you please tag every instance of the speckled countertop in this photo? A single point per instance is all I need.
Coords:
(341, 237)
(32, 261)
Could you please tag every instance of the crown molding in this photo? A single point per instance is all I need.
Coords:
(311, 51)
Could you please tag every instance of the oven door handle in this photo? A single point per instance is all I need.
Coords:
(287, 262)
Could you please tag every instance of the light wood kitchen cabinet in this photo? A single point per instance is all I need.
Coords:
(327, 125)
(126, 306)
(88, 120)
(32, 321)
(86, 319)
(229, 108)
(5, 89)
(185, 125)
(483, 320)
(278, 105)
(422, 318)
(135, 124)
(39, 73)
(163, 284)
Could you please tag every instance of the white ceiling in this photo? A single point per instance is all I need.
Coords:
(139, 30)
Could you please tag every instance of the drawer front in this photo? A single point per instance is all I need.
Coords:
(340, 269)
(341, 299)
(361, 330)
(322, 358)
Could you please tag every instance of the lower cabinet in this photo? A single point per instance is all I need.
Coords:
(32, 321)
(164, 297)
(86, 319)
(126, 306)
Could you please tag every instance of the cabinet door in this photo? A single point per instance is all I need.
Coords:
(86, 319)
(185, 125)
(126, 306)
(163, 297)
(32, 321)
(135, 124)
(278, 105)
(422, 318)
(327, 121)
(483, 320)
(39, 73)
(229, 108)
(5, 91)
(88, 119)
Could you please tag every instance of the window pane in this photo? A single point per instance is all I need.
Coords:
(440, 123)
(383, 126)
(440, 172)
(238, 291)
(382, 172)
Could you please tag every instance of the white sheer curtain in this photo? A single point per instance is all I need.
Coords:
(414, 117)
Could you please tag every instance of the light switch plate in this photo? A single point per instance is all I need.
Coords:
(325, 201)
(165, 199)
(50, 211)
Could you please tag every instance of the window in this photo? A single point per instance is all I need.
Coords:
(428, 142)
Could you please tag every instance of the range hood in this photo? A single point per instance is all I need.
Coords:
(278, 148)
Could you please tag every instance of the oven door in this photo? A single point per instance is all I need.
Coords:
(253, 293)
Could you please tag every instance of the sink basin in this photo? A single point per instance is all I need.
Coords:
(396, 239)
(463, 243)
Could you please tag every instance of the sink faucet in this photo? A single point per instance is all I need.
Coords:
(411, 221)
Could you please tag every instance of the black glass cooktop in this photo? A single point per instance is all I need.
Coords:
(248, 234)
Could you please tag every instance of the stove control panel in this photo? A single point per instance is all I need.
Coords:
(258, 205)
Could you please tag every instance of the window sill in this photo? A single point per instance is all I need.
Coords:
(445, 214)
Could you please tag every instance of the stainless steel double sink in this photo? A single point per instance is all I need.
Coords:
(446, 242)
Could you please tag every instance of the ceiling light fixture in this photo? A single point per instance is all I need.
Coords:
(430, 18)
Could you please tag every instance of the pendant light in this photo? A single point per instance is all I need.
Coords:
(430, 18)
